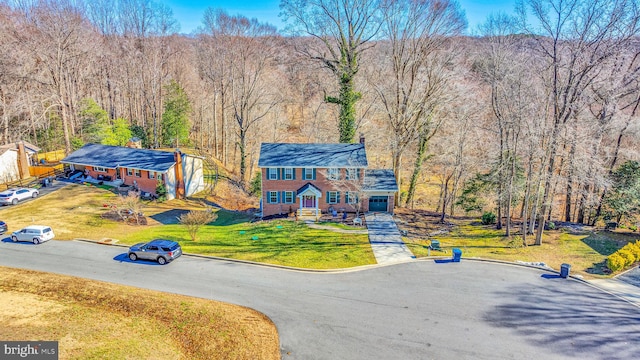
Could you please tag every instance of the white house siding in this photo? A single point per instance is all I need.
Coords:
(9, 166)
(170, 182)
(193, 170)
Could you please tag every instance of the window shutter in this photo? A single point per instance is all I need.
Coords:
(314, 173)
(328, 197)
(294, 173)
(283, 197)
(304, 174)
(277, 202)
(337, 197)
(347, 197)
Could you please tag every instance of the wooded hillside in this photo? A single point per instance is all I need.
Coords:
(535, 122)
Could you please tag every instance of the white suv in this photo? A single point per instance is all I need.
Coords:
(33, 233)
(12, 196)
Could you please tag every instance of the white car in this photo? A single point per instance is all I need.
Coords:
(33, 233)
(13, 196)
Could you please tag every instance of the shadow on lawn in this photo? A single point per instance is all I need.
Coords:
(570, 319)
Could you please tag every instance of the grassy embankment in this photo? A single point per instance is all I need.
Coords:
(96, 320)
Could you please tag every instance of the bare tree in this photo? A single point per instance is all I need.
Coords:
(344, 30)
(411, 68)
(575, 38)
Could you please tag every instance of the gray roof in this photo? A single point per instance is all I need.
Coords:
(312, 155)
(306, 187)
(116, 156)
(380, 180)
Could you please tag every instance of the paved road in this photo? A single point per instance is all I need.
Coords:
(385, 239)
(626, 285)
(416, 310)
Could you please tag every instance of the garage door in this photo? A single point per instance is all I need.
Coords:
(378, 203)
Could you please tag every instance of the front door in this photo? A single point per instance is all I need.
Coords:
(309, 201)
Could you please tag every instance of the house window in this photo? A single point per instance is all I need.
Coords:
(333, 173)
(99, 169)
(272, 174)
(129, 172)
(308, 174)
(351, 197)
(352, 174)
(160, 177)
(288, 173)
(152, 174)
(272, 197)
(137, 172)
(288, 197)
(332, 197)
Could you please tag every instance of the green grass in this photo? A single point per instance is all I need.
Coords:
(279, 242)
(586, 252)
(341, 225)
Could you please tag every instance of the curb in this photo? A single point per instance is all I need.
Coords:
(254, 263)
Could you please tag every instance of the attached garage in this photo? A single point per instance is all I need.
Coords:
(378, 203)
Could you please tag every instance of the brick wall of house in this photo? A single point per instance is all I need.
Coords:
(321, 183)
(94, 174)
(143, 182)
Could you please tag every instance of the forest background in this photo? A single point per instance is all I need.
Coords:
(533, 122)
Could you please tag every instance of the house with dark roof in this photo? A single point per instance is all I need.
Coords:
(311, 179)
(182, 174)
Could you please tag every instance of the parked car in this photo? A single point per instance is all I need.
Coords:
(13, 196)
(162, 251)
(3, 227)
(34, 233)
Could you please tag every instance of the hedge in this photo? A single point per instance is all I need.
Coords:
(627, 256)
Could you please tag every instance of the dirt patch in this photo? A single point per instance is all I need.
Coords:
(131, 220)
(420, 224)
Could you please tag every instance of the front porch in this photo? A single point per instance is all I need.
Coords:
(308, 197)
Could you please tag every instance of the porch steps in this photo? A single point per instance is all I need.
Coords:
(308, 214)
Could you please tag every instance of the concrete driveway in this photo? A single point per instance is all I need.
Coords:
(415, 310)
(385, 239)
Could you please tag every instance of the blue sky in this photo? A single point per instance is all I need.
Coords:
(189, 12)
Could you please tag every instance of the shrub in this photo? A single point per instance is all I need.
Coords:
(634, 248)
(488, 218)
(627, 256)
(255, 187)
(615, 262)
(161, 191)
(194, 219)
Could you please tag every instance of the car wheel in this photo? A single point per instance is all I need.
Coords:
(14, 238)
(36, 241)
(35, 195)
(14, 201)
(162, 260)
(133, 257)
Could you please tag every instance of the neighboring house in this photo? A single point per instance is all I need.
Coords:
(181, 173)
(312, 178)
(15, 159)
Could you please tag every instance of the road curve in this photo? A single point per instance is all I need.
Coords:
(417, 310)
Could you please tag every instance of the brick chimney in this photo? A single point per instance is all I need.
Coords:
(23, 161)
(361, 138)
(177, 155)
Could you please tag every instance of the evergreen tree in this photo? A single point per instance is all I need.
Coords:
(175, 120)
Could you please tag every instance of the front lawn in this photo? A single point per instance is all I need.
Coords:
(586, 251)
(74, 212)
(280, 242)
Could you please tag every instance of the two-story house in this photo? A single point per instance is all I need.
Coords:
(311, 179)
